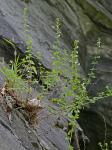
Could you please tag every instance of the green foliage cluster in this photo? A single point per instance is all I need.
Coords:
(13, 80)
(19, 74)
(105, 145)
(28, 65)
(73, 94)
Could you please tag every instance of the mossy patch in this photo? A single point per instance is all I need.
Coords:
(96, 13)
(26, 1)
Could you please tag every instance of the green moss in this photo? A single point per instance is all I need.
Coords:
(26, 1)
(96, 13)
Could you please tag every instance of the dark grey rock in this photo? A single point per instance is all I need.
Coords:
(85, 20)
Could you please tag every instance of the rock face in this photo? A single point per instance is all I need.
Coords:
(19, 135)
(85, 20)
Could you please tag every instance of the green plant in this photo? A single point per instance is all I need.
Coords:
(28, 66)
(105, 145)
(65, 75)
(20, 68)
(95, 60)
(13, 80)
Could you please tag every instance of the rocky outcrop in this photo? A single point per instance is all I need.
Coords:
(85, 20)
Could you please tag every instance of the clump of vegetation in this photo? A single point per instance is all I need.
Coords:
(14, 88)
(18, 79)
(28, 65)
(13, 80)
(73, 93)
(105, 145)
(65, 76)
